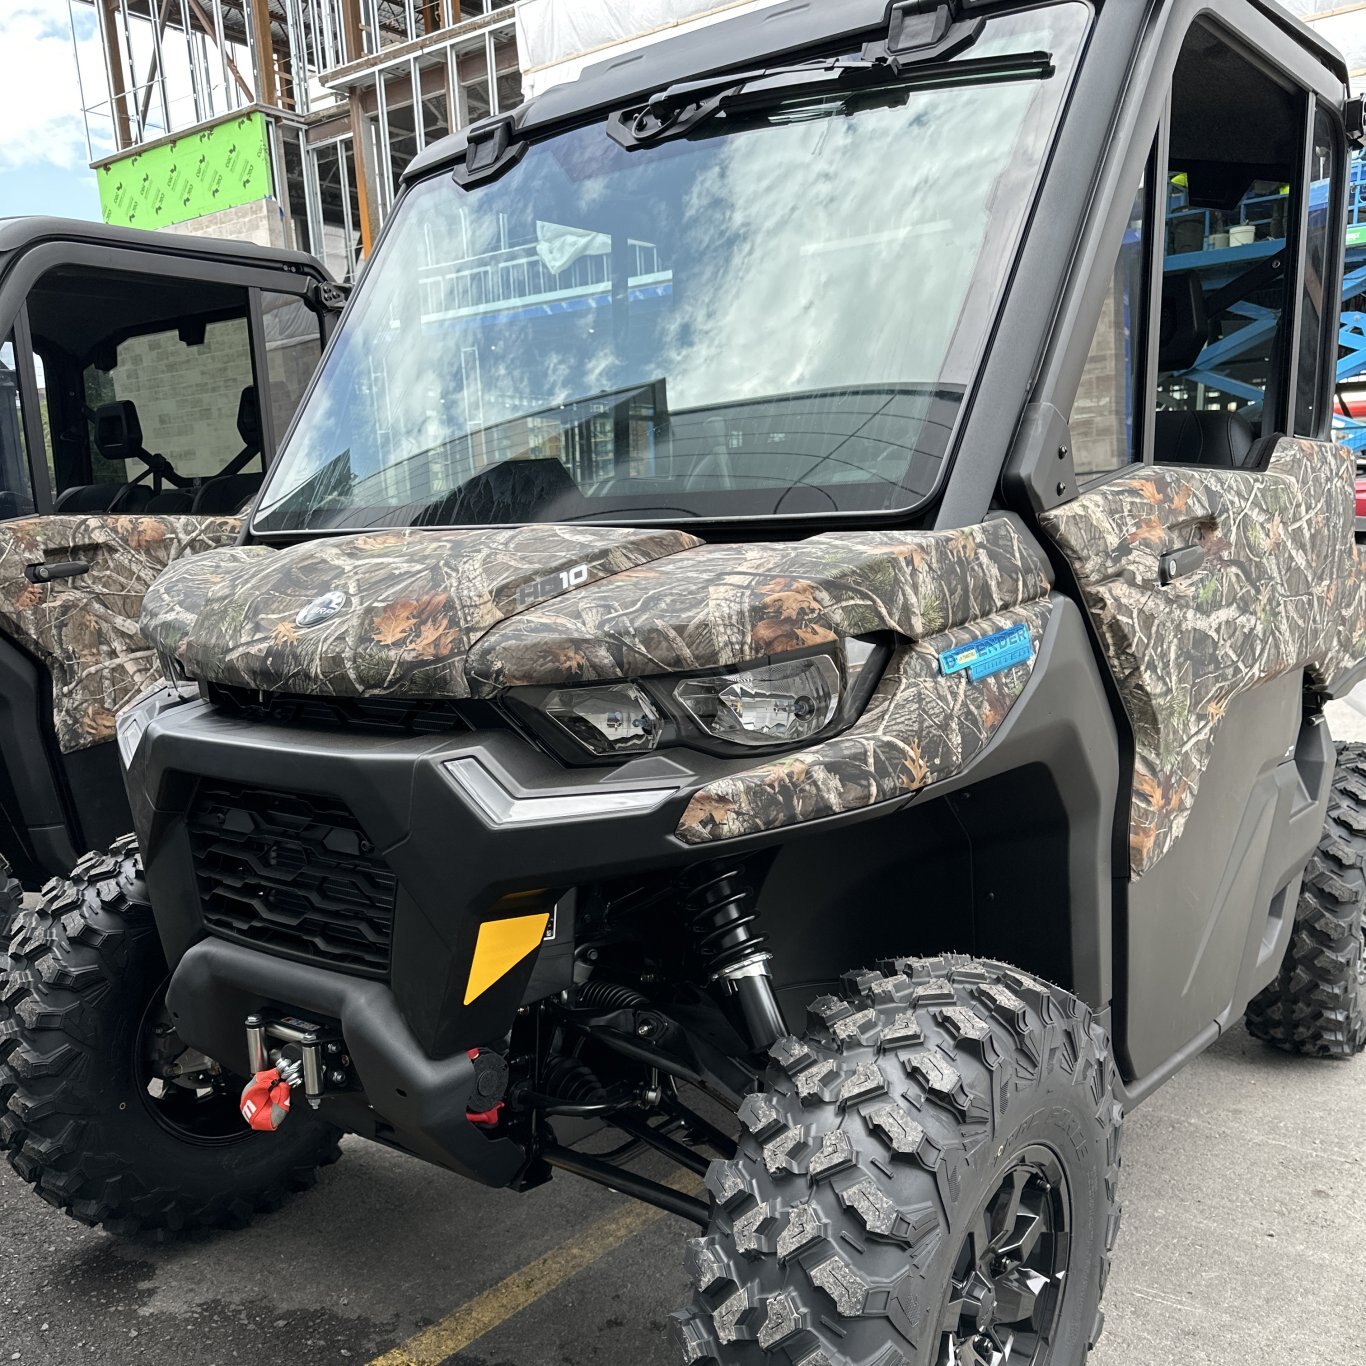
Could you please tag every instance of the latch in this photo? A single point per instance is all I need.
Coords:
(1175, 564)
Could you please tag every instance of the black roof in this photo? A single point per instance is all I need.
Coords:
(616, 78)
(18, 234)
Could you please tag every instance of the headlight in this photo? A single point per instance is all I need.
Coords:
(773, 704)
(615, 719)
(770, 705)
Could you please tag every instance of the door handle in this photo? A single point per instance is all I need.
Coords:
(1175, 563)
(60, 569)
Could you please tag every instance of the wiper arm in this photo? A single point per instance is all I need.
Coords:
(678, 109)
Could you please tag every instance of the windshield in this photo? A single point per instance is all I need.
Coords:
(776, 315)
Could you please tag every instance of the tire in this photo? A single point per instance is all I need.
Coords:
(11, 900)
(81, 1031)
(881, 1138)
(1317, 1005)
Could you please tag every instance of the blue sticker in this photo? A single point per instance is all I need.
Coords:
(989, 655)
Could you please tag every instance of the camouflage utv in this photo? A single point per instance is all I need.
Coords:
(821, 489)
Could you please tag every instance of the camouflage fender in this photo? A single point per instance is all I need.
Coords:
(920, 727)
(732, 604)
(410, 604)
(85, 629)
(1280, 589)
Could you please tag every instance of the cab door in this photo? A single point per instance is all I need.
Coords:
(141, 399)
(1215, 553)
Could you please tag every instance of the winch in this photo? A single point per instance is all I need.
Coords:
(286, 1053)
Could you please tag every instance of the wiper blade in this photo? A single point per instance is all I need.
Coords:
(678, 109)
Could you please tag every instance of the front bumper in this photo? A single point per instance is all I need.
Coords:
(465, 822)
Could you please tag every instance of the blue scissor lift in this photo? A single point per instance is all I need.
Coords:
(1216, 247)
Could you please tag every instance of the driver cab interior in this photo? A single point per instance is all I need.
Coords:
(149, 391)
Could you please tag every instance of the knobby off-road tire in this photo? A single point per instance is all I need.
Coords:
(78, 1113)
(11, 902)
(937, 1115)
(1317, 1005)
(11, 899)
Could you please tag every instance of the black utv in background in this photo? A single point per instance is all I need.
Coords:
(133, 366)
(824, 489)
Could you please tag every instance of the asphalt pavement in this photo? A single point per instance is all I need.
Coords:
(1244, 1189)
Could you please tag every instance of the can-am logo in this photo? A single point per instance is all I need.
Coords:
(321, 609)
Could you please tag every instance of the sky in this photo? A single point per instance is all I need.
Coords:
(43, 159)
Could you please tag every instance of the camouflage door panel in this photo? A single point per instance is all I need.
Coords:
(85, 628)
(722, 605)
(1280, 589)
(920, 727)
(406, 607)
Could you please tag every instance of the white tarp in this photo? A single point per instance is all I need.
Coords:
(556, 39)
(559, 246)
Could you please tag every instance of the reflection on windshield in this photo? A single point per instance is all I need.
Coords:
(775, 316)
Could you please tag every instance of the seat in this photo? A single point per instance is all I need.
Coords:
(81, 499)
(229, 490)
(118, 438)
(1216, 440)
(228, 493)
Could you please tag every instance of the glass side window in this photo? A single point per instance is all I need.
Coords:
(16, 491)
(1104, 417)
(1232, 191)
(1319, 275)
(187, 385)
(294, 342)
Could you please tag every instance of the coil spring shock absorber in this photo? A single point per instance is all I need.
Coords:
(721, 914)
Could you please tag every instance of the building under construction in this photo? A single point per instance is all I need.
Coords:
(289, 122)
(285, 121)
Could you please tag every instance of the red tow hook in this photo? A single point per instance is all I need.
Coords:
(265, 1100)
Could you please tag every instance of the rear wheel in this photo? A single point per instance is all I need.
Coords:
(928, 1179)
(102, 1107)
(1317, 1005)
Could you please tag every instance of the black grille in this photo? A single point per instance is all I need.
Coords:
(381, 715)
(292, 873)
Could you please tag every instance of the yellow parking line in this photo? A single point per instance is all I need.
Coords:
(523, 1288)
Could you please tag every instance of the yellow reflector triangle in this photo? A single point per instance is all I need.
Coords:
(501, 945)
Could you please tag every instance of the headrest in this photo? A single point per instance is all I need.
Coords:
(1184, 330)
(249, 417)
(118, 433)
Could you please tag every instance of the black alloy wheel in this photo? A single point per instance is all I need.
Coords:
(1010, 1274)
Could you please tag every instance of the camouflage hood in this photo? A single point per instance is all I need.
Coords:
(454, 613)
(393, 612)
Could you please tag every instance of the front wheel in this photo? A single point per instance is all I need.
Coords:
(928, 1179)
(104, 1110)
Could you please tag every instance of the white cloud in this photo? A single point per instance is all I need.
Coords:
(40, 98)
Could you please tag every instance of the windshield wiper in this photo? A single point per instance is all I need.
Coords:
(678, 109)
